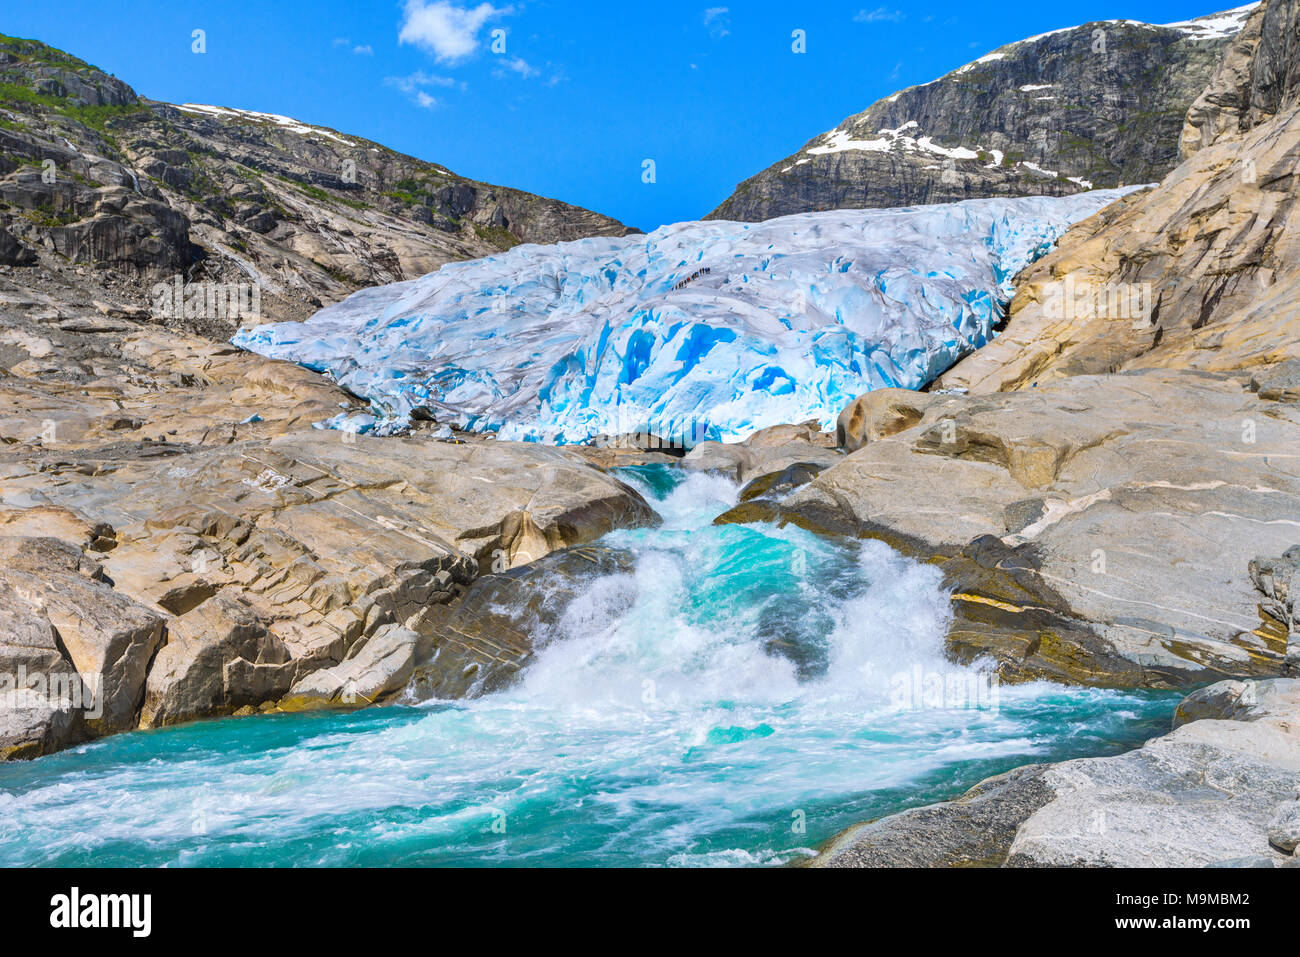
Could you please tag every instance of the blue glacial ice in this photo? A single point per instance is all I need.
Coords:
(696, 330)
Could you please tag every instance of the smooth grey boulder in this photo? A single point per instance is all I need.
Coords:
(974, 830)
(1202, 794)
(218, 658)
(1284, 828)
(379, 668)
(32, 725)
(1240, 701)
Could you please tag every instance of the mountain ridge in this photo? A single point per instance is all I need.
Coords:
(1098, 105)
(107, 192)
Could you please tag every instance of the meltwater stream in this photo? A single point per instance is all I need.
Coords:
(741, 696)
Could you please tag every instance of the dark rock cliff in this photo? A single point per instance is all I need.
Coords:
(1258, 78)
(1097, 105)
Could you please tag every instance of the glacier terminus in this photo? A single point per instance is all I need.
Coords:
(700, 330)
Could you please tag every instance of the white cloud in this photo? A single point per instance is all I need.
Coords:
(447, 31)
(879, 15)
(519, 65)
(364, 49)
(417, 79)
(414, 86)
(717, 20)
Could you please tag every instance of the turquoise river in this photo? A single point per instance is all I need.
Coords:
(658, 725)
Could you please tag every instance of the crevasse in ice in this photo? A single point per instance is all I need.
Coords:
(696, 330)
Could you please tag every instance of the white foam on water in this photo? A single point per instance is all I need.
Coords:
(654, 726)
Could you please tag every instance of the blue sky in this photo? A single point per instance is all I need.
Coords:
(582, 94)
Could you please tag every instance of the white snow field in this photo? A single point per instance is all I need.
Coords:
(696, 330)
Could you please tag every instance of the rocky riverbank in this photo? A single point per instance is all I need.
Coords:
(176, 540)
(1105, 530)
(184, 557)
(1221, 790)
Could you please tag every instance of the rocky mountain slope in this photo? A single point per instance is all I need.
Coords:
(1216, 246)
(1258, 79)
(1100, 105)
(103, 193)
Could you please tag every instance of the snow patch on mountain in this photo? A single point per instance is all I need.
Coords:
(1219, 25)
(286, 122)
(1214, 26)
(887, 140)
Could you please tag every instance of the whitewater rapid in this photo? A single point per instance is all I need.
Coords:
(738, 697)
(705, 330)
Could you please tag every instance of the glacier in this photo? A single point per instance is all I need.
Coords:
(700, 330)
